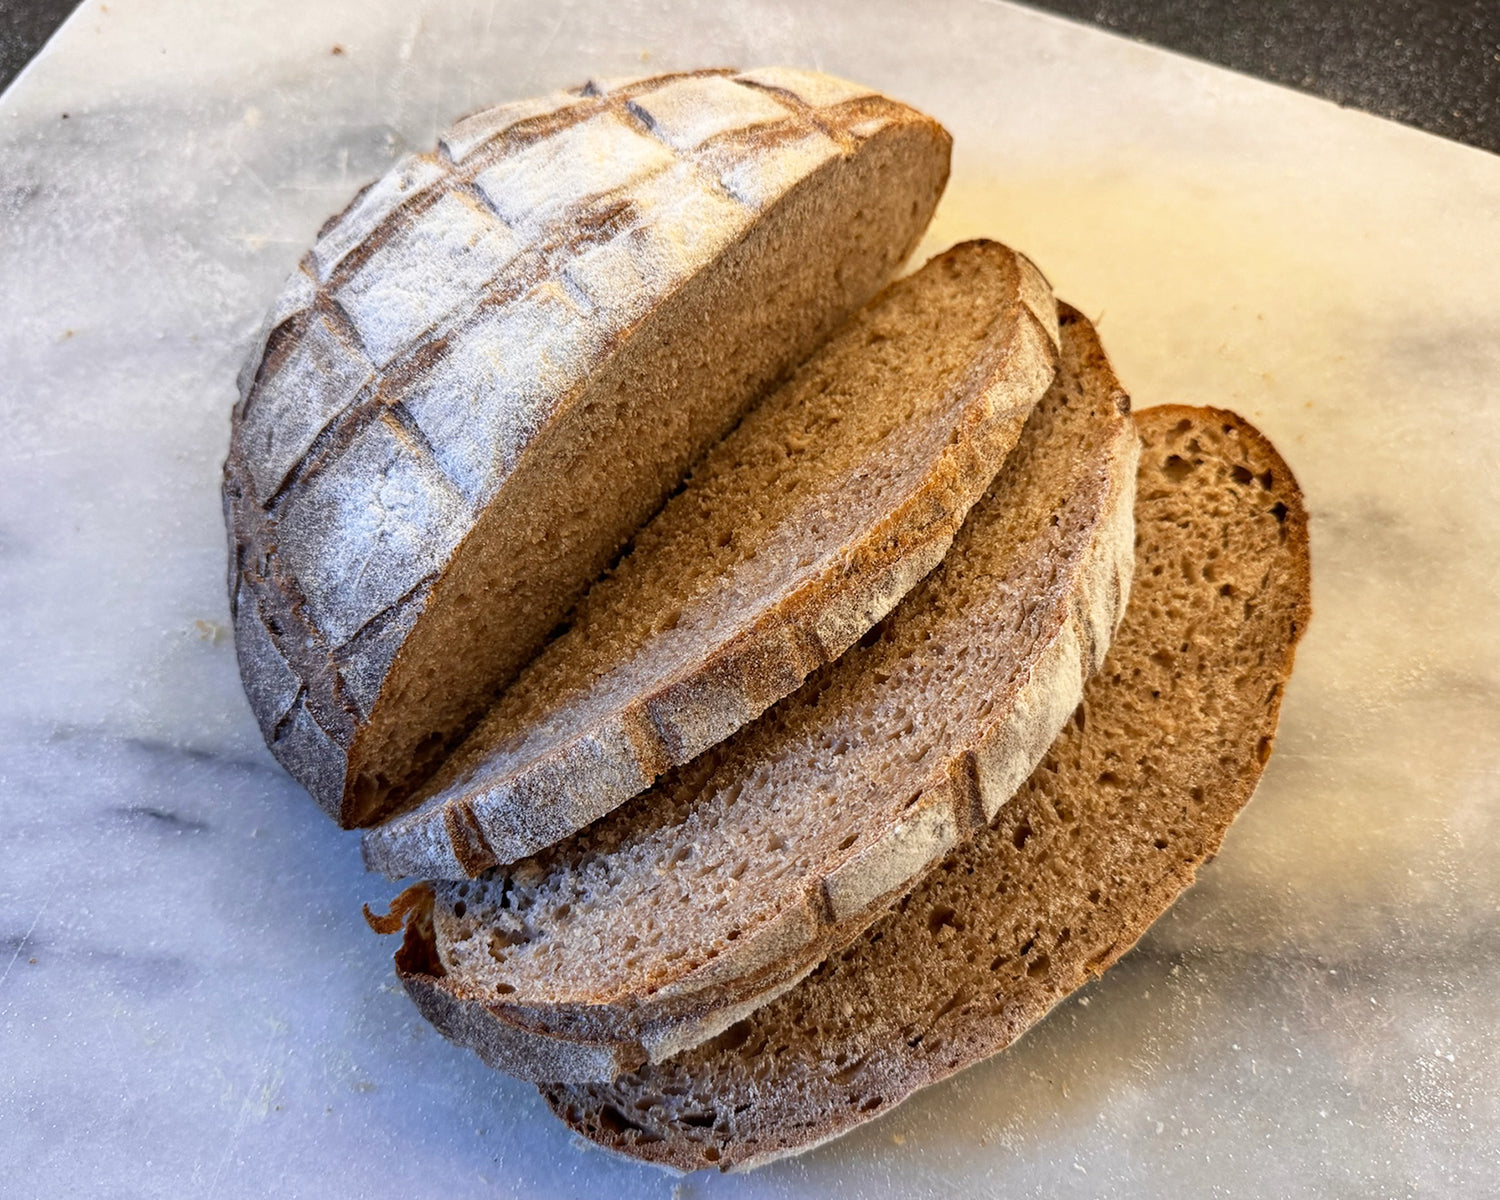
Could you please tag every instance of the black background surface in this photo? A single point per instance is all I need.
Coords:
(1434, 64)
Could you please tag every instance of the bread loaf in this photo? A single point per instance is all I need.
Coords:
(1130, 801)
(790, 539)
(704, 897)
(497, 363)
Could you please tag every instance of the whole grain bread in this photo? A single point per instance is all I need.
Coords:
(792, 537)
(1131, 800)
(703, 898)
(497, 363)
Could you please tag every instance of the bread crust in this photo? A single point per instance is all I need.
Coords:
(688, 1003)
(1065, 834)
(365, 504)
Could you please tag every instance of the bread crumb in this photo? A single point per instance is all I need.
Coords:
(210, 631)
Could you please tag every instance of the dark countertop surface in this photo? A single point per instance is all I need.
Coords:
(1434, 64)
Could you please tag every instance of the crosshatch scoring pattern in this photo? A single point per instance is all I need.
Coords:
(430, 332)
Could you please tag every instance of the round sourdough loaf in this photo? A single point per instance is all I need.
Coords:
(498, 362)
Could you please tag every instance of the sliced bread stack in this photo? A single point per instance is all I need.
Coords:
(1134, 796)
(790, 538)
(732, 878)
(691, 621)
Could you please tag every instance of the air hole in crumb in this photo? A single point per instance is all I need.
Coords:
(460, 909)
(1196, 793)
(849, 841)
(1279, 511)
(1080, 718)
(1266, 480)
(1160, 843)
(1109, 778)
(1240, 474)
(939, 917)
(774, 843)
(1094, 895)
(1227, 590)
(1038, 966)
(1176, 468)
(1263, 750)
(1022, 834)
(733, 1038)
(872, 1104)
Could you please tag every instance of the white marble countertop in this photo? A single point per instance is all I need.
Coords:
(190, 1003)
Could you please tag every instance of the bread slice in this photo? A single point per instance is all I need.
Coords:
(799, 531)
(699, 900)
(497, 363)
(1133, 797)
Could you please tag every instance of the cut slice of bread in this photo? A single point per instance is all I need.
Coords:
(1134, 796)
(793, 536)
(498, 362)
(701, 899)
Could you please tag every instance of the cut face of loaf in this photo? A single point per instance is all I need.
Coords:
(498, 362)
(793, 536)
(1134, 796)
(702, 898)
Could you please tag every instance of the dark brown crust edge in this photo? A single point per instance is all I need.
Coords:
(986, 1038)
